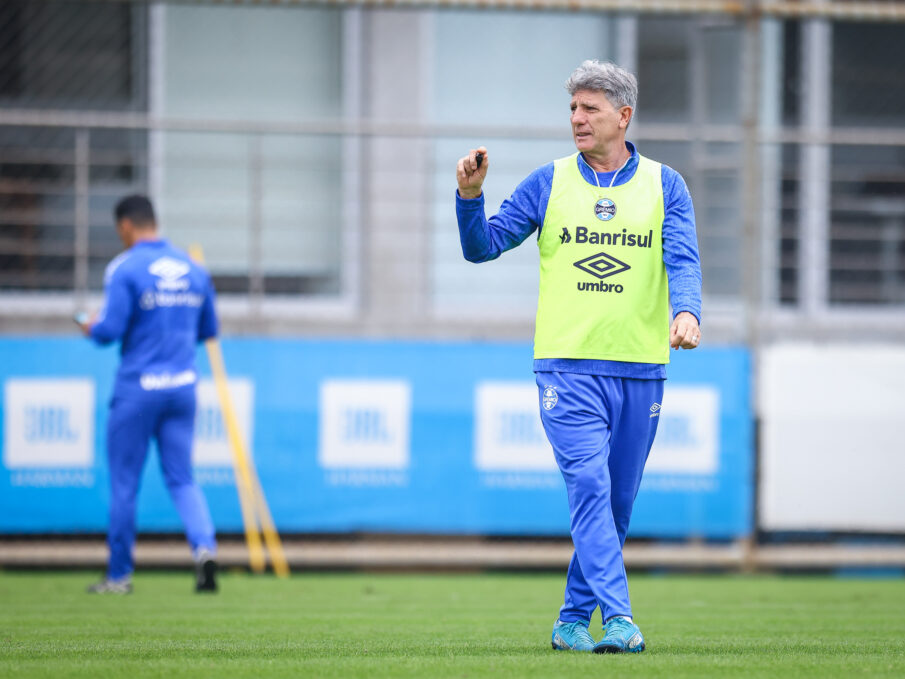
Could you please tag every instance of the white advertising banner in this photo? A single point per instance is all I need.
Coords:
(832, 454)
(365, 424)
(509, 435)
(48, 423)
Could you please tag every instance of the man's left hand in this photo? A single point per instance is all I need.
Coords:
(86, 323)
(684, 332)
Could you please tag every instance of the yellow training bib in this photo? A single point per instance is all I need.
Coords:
(603, 289)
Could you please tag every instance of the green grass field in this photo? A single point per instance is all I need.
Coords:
(443, 626)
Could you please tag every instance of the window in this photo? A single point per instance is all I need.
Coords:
(867, 225)
(265, 206)
(85, 56)
(688, 74)
(868, 88)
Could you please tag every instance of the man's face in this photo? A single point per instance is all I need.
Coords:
(596, 123)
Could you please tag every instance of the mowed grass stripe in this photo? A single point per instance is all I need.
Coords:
(344, 625)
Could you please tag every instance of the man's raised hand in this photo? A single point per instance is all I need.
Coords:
(470, 174)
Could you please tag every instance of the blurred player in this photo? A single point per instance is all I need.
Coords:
(159, 305)
(615, 228)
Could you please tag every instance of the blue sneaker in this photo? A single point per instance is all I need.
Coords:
(620, 636)
(572, 636)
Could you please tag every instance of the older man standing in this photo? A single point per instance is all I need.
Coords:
(617, 247)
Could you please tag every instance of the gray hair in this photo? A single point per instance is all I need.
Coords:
(619, 86)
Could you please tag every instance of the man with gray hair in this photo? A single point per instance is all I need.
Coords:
(617, 247)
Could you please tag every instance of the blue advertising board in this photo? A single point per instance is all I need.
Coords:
(358, 435)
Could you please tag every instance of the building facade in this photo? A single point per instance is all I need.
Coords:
(310, 150)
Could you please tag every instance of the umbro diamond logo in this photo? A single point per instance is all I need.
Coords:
(169, 269)
(170, 274)
(602, 265)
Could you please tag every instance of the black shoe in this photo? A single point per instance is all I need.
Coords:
(108, 586)
(206, 574)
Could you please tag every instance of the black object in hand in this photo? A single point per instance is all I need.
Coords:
(479, 158)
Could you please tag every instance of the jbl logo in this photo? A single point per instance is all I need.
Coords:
(209, 424)
(365, 425)
(49, 424)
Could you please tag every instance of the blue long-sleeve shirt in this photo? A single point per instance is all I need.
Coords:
(159, 304)
(522, 213)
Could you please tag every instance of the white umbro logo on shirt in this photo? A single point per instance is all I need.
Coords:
(169, 269)
(655, 410)
(170, 273)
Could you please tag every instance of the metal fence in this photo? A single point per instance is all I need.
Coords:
(310, 149)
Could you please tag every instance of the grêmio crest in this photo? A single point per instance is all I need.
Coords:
(605, 209)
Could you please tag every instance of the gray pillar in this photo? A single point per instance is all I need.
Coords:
(156, 94)
(750, 256)
(626, 47)
(770, 100)
(82, 220)
(354, 94)
(396, 214)
(814, 212)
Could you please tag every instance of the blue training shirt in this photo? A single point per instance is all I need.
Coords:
(523, 212)
(159, 304)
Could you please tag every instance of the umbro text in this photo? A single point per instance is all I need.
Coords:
(599, 287)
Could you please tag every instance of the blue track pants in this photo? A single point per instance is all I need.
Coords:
(168, 417)
(601, 430)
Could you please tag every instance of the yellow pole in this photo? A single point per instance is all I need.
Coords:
(271, 537)
(244, 481)
(251, 494)
(249, 474)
